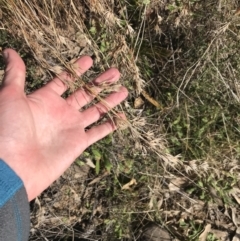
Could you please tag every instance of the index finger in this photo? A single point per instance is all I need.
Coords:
(58, 84)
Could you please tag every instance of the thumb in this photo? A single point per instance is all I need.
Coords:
(15, 70)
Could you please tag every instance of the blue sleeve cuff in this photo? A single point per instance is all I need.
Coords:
(10, 183)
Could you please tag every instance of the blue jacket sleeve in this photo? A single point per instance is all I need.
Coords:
(14, 207)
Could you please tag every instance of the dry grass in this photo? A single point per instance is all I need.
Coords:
(179, 60)
(59, 31)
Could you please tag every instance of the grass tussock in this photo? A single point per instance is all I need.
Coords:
(177, 163)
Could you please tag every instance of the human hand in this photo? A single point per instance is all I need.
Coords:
(41, 134)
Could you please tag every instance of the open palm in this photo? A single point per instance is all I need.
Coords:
(41, 134)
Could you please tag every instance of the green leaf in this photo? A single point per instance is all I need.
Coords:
(97, 168)
(107, 164)
(200, 184)
(86, 154)
(146, 2)
(93, 30)
(108, 140)
(80, 163)
(96, 154)
(103, 46)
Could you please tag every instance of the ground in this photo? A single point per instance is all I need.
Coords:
(175, 162)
